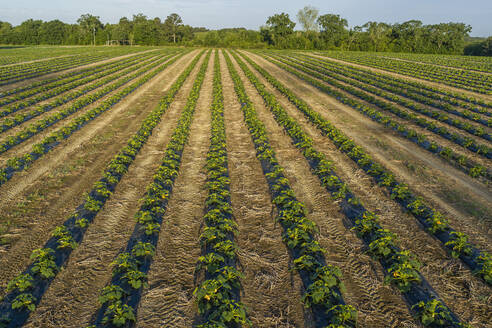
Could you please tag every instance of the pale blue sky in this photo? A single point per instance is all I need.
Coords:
(251, 14)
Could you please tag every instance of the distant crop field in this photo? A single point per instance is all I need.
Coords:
(191, 187)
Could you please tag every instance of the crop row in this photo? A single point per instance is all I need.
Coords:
(39, 126)
(467, 80)
(217, 295)
(460, 161)
(16, 164)
(21, 56)
(20, 118)
(465, 62)
(322, 282)
(120, 298)
(434, 222)
(46, 84)
(57, 65)
(400, 266)
(411, 93)
(25, 290)
(365, 92)
(23, 71)
(52, 89)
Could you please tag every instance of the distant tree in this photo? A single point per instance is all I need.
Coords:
(6, 33)
(89, 25)
(333, 29)
(280, 26)
(172, 24)
(27, 32)
(123, 30)
(52, 32)
(307, 17)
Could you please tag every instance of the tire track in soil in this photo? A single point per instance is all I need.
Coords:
(317, 57)
(423, 172)
(24, 125)
(88, 269)
(410, 78)
(270, 292)
(169, 302)
(56, 74)
(27, 145)
(478, 159)
(377, 304)
(460, 289)
(61, 201)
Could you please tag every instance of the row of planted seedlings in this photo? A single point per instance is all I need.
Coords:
(51, 91)
(433, 221)
(332, 79)
(398, 86)
(456, 61)
(218, 294)
(33, 88)
(106, 76)
(473, 81)
(121, 297)
(25, 291)
(321, 281)
(17, 164)
(453, 98)
(459, 161)
(27, 68)
(59, 65)
(122, 78)
(400, 266)
(337, 71)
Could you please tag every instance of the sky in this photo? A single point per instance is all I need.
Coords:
(216, 14)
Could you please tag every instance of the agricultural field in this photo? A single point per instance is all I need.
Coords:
(186, 187)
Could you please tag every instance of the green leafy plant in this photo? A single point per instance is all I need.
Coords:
(25, 300)
(459, 244)
(111, 294)
(119, 314)
(44, 262)
(432, 312)
(22, 282)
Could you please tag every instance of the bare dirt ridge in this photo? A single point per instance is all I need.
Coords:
(325, 213)
(410, 78)
(430, 176)
(65, 71)
(270, 292)
(34, 230)
(40, 198)
(169, 302)
(88, 265)
(463, 291)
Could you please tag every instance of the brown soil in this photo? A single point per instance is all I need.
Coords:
(271, 292)
(431, 136)
(61, 191)
(26, 146)
(460, 290)
(52, 99)
(55, 74)
(448, 126)
(343, 247)
(453, 116)
(433, 64)
(168, 302)
(465, 200)
(40, 198)
(402, 76)
(73, 292)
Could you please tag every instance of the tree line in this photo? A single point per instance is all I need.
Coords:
(321, 32)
